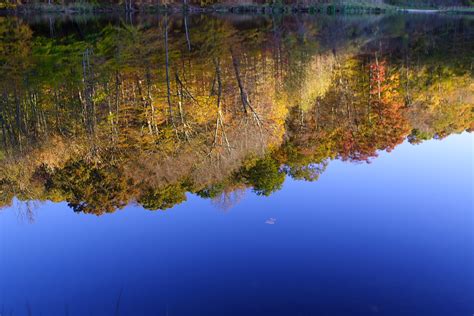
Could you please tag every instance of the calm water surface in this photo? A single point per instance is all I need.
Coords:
(236, 165)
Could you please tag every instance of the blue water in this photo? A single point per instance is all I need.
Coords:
(393, 237)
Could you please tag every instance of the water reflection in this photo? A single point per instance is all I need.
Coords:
(102, 113)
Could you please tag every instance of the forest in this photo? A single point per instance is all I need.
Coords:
(102, 114)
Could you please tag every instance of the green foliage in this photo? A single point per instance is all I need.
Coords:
(309, 172)
(212, 191)
(265, 176)
(416, 136)
(91, 189)
(164, 198)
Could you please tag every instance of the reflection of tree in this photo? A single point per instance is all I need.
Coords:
(164, 198)
(131, 114)
(265, 176)
(90, 189)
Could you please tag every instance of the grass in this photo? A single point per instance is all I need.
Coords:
(288, 9)
(79, 7)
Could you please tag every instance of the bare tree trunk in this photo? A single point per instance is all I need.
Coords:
(150, 101)
(219, 119)
(51, 27)
(118, 84)
(167, 64)
(88, 99)
(180, 95)
(378, 76)
(243, 93)
(186, 29)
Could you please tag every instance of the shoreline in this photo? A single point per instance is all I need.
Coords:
(330, 9)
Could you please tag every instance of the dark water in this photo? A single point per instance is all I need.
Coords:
(237, 165)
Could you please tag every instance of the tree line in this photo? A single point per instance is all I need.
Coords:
(144, 113)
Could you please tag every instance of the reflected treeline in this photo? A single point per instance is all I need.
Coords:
(103, 113)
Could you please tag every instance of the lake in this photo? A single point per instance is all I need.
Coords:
(237, 165)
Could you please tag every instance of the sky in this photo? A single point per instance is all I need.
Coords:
(392, 237)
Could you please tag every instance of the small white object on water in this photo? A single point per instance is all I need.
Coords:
(270, 221)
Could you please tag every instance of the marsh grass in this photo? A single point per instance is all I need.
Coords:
(78, 7)
(347, 7)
